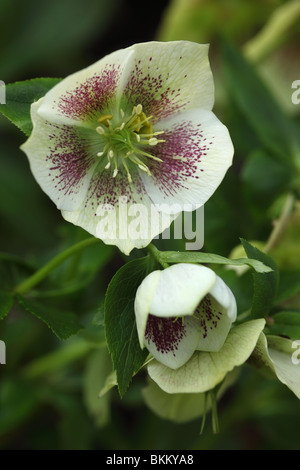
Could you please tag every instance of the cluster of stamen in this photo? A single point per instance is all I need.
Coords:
(126, 140)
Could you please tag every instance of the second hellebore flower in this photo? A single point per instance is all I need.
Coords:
(136, 126)
(181, 309)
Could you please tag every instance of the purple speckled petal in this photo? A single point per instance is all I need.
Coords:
(195, 157)
(85, 95)
(60, 160)
(119, 213)
(172, 341)
(163, 77)
(170, 77)
(206, 369)
(169, 80)
(214, 324)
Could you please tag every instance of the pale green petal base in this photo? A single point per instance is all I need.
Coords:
(205, 370)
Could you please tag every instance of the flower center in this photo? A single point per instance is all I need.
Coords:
(125, 143)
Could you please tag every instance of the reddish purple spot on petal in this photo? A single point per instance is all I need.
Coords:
(165, 333)
(91, 96)
(181, 153)
(208, 315)
(69, 159)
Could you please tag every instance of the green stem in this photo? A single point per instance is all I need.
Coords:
(214, 411)
(274, 32)
(156, 255)
(39, 275)
(204, 413)
(281, 224)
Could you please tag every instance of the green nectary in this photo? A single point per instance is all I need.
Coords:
(126, 139)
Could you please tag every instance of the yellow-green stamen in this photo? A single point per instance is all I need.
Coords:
(125, 141)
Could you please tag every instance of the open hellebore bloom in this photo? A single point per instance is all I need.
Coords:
(182, 309)
(135, 127)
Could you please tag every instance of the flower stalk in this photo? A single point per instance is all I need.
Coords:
(156, 254)
(43, 272)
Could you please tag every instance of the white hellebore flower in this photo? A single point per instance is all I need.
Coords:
(133, 130)
(184, 308)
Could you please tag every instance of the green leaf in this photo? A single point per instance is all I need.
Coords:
(265, 284)
(20, 96)
(289, 285)
(97, 368)
(63, 324)
(198, 257)
(69, 352)
(110, 382)
(98, 319)
(286, 323)
(121, 333)
(34, 44)
(264, 190)
(6, 302)
(275, 130)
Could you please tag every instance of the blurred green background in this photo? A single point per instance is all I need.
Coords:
(49, 388)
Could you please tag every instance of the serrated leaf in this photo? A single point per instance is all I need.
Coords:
(97, 367)
(20, 96)
(63, 324)
(198, 257)
(121, 333)
(265, 284)
(6, 302)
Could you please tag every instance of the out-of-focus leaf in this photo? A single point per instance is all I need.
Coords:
(289, 285)
(97, 369)
(63, 324)
(110, 382)
(276, 130)
(198, 20)
(53, 33)
(78, 271)
(69, 352)
(287, 251)
(265, 284)
(25, 210)
(285, 324)
(20, 96)
(265, 177)
(6, 302)
(98, 319)
(241, 287)
(73, 427)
